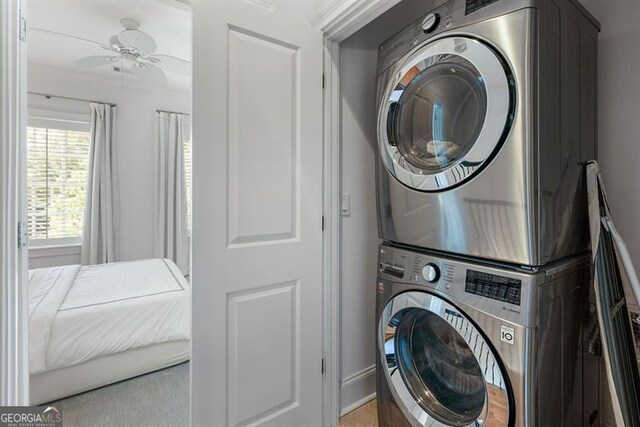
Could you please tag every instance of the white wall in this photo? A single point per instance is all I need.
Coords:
(134, 140)
(358, 63)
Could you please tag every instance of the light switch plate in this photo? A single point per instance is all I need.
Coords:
(345, 204)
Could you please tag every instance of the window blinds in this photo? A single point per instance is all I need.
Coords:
(57, 165)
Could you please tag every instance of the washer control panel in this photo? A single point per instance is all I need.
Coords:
(505, 289)
(507, 293)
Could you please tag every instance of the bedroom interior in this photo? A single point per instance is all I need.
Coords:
(109, 184)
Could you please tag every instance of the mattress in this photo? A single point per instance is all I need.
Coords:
(64, 382)
(82, 313)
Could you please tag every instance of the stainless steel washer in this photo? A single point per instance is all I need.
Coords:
(461, 343)
(486, 109)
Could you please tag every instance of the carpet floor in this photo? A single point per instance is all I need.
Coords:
(159, 399)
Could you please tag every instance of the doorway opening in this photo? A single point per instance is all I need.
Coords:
(108, 191)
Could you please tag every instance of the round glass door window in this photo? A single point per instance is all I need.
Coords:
(440, 114)
(444, 114)
(439, 368)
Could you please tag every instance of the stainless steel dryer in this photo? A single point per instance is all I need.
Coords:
(468, 344)
(486, 110)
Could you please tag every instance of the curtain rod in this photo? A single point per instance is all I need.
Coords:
(49, 96)
(172, 112)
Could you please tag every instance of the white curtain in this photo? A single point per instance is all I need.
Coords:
(99, 234)
(170, 233)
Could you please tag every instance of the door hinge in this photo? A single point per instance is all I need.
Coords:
(322, 222)
(22, 235)
(22, 28)
(323, 366)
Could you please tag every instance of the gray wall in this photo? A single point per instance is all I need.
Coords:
(619, 113)
(358, 61)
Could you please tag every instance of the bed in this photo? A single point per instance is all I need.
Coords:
(94, 325)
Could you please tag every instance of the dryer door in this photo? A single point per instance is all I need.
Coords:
(439, 367)
(445, 113)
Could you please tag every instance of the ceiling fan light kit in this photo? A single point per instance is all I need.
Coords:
(129, 24)
(135, 49)
(137, 42)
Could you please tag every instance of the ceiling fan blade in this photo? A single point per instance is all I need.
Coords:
(94, 61)
(149, 73)
(171, 63)
(142, 42)
(67, 36)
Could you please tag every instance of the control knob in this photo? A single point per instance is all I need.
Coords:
(431, 273)
(430, 22)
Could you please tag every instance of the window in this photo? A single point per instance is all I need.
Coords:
(57, 167)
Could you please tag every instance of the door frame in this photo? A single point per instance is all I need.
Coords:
(14, 333)
(341, 19)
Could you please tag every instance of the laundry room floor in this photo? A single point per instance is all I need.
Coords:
(364, 416)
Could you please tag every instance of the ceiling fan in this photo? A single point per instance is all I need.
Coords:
(135, 51)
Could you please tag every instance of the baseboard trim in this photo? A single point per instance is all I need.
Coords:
(357, 389)
(358, 376)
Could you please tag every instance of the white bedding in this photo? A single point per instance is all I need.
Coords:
(78, 313)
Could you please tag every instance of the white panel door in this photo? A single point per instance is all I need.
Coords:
(257, 217)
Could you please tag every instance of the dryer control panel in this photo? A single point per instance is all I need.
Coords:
(505, 289)
(473, 5)
(422, 29)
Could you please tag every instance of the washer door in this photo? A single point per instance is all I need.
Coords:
(439, 367)
(445, 113)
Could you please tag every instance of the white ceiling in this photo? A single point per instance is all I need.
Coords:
(167, 21)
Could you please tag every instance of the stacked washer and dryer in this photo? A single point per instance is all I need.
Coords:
(486, 112)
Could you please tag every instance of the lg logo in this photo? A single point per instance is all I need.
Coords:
(507, 335)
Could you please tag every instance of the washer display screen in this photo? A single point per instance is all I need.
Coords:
(493, 286)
